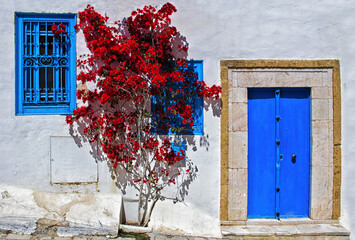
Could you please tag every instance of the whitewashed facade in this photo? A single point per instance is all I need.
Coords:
(34, 187)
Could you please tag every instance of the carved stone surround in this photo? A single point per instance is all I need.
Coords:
(322, 76)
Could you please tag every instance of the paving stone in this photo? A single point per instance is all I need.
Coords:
(123, 238)
(323, 232)
(98, 238)
(62, 238)
(3, 235)
(43, 238)
(297, 231)
(162, 237)
(18, 236)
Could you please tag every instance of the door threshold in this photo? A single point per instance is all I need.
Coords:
(284, 221)
(291, 228)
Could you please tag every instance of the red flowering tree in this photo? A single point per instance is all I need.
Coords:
(130, 63)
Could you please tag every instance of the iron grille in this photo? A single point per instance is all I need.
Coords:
(45, 62)
(192, 74)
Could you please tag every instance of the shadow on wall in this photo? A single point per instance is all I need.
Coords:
(149, 178)
(123, 180)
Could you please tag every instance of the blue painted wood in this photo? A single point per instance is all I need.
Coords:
(278, 142)
(45, 66)
(295, 140)
(261, 153)
(178, 144)
(195, 101)
(278, 127)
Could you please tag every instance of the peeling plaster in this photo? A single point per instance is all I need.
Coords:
(28, 211)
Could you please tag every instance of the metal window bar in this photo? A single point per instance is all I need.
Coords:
(45, 64)
(191, 98)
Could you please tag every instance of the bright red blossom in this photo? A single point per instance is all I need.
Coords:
(59, 30)
(127, 64)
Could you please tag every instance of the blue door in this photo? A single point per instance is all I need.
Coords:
(278, 152)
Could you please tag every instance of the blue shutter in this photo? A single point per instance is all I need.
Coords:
(178, 144)
(197, 129)
(196, 102)
(45, 64)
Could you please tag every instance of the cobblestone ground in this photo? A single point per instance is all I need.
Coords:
(157, 236)
(150, 236)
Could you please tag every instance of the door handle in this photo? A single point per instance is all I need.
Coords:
(293, 158)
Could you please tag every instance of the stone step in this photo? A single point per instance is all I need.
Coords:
(279, 231)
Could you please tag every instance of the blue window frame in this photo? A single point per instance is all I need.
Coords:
(178, 144)
(45, 64)
(196, 102)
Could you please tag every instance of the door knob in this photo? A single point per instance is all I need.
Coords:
(293, 158)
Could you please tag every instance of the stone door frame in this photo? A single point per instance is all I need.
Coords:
(323, 77)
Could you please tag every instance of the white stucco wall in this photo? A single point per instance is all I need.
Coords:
(215, 30)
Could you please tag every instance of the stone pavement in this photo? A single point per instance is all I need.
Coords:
(330, 231)
(158, 236)
(152, 236)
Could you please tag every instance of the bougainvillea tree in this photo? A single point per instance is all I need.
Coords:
(130, 63)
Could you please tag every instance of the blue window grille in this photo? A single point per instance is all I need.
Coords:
(196, 68)
(45, 64)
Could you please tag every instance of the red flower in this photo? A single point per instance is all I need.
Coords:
(126, 66)
(59, 30)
